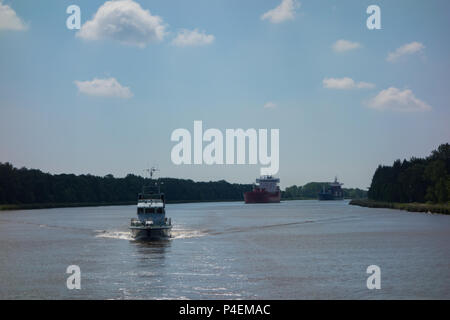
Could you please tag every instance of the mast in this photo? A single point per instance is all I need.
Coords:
(151, 173)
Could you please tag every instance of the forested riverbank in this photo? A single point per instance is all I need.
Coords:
(418, 184)
(30, 188)
(310, 191)
(442, 208)
(33, 189)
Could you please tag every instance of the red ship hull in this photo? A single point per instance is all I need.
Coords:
(262, 196)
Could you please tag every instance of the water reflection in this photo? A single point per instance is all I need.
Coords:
(151, 249)
(301, 250)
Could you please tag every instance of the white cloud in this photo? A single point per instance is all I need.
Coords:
(9, 19)
(285, 11)
(103, 88)
(192, 38)
(270, 105)
(124, 21)
(345, 45)
(345, 84)
(398, 100)
(409, 48)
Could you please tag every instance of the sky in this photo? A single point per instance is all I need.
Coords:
(106, 98)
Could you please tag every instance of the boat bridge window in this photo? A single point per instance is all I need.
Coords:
(150, 210)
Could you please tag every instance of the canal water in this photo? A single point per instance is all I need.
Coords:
(291, 250)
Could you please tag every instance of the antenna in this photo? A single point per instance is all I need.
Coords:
(151, 171)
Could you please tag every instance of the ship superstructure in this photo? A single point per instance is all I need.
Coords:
(266, 190)
(151, 222)
(333, 191)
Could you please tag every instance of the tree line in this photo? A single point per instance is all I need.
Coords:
(311, 190)
(32, 186)
(27, 186)
(415, 180)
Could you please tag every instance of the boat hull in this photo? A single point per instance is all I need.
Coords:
(262, 197)
(328, 196)
(149, 234)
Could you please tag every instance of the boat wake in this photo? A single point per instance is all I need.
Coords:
(126, 235)
(187, 233)
(123, 235)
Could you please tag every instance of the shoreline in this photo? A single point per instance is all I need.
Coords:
(411, 207)
(34, 206)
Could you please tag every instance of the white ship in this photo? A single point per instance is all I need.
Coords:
(151, 222)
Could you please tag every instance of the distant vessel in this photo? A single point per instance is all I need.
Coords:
(332, 192)
(266, 190)
(151, 222)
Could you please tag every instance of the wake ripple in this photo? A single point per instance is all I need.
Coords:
(126, 235)
(123, 235)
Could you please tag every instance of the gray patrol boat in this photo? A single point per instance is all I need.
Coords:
(151, 222)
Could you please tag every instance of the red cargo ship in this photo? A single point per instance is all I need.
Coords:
(266, 190)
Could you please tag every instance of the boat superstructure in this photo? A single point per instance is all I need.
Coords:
(266, 190)
(333, 191)
(151, 222)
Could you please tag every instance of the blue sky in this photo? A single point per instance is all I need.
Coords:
(341, 110)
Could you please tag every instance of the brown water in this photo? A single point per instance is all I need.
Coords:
(292, 250)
